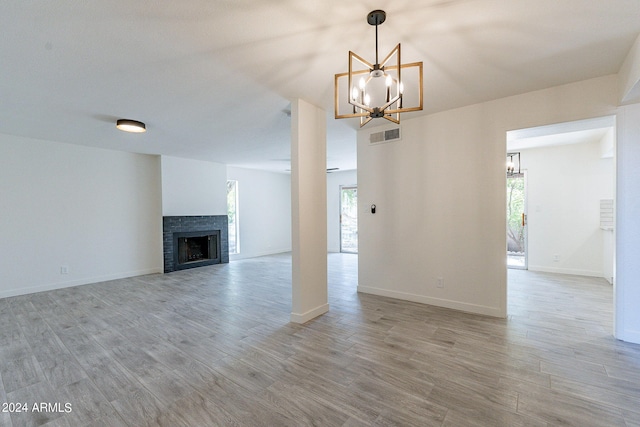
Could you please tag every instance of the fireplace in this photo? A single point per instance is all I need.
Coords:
(195, 249)
(194, 241)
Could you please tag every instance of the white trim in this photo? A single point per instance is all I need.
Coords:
(311, 314)
(439, 302)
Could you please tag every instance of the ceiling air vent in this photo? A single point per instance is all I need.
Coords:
(384, 136)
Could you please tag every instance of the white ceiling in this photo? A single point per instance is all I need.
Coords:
(211, 78)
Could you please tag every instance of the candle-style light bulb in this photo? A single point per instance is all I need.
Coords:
(354, 97)
(362, 85)
(367, 100)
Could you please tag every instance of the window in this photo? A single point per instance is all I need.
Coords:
(232, 213)
(349, 218)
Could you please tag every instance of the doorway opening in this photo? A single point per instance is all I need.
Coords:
(564, 221)
(349, 219)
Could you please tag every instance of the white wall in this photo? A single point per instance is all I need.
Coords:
(193, 187)
(334, 181)
(564, 187)
(265, 211)
(630, 75)
(96, 212)
(440, 193)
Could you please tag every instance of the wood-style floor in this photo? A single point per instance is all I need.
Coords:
(214, 347)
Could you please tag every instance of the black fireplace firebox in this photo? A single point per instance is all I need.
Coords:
(196, 248)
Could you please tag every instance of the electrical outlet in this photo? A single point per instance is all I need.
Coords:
(556, 258)
(64, 269)
(440, 283)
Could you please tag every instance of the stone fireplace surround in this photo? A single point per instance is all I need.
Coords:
(182, 224)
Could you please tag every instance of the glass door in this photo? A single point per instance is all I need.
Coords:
(516, 221)
(349, 218)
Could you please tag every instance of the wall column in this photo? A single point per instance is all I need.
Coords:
(627, 238)
(308, 211)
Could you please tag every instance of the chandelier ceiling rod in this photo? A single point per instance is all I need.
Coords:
(377, 62)
(378, 17)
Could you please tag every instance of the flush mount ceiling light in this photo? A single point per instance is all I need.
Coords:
(131, 126)
(377, 90)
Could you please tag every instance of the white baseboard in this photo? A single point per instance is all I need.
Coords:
(78, 282)
(241, 255)
(439, 302)
(629, 336)
(311, 314)
(572, 271)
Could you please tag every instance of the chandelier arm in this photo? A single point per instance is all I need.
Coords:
(361, 106)
(392, 119)
(390, 103)
(403, 110)
(388, 57)
(364, 121)
(362, 61)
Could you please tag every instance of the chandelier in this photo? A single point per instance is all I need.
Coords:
(511, 164)
(379, 89)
